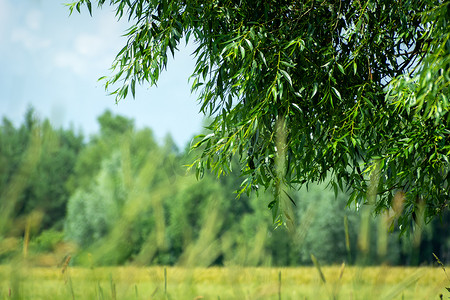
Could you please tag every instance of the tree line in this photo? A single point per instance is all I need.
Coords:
(122, 197)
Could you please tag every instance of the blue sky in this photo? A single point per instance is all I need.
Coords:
(52, 62)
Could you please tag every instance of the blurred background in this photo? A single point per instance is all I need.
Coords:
(107, 184)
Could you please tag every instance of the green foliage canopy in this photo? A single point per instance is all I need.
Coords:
(303, 91)
(36, 160)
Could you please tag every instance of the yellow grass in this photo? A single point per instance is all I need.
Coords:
(20, 282)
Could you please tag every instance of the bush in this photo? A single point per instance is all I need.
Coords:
(48, 240)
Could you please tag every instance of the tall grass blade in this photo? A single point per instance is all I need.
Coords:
(279, 285)
(113, 288)
(165, 281)
(402, 286)
(382, 240)
(100, 291)
(72, 293)
(319, 269)
(442, 265)
(66, 264)
(443, 268)
(338, 284)
(347, 239)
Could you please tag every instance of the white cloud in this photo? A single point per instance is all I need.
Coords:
(29, 39)
(88, 56)
(72, 61)
(4, 16)
(3, 10)
(92, 53)
(92, 47)
(89, 45)
(29, 34)
(34, 19)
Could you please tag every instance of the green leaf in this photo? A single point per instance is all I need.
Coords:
(341, 68)
(288, 64)
(275, 208)
(297, 107)
(242, 51)
(271, 204)
(263, 58)
(367, 100)
(124, 92)
(89, 6)
(250, 46)
(286, 75)
(336, 92)
(290, 198)
(274, 92)
(352, 198)
(133, 87)
(315, 88)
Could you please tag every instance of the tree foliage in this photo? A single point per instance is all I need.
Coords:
(350, 92)
(36, 161)
(92, 213)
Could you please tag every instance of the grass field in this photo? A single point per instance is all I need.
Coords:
(335, 282)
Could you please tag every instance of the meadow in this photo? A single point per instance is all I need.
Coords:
(17, 281)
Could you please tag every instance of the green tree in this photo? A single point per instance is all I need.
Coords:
(36, 161)
(121, 182)
(47, 189)
(324, 234)
(92, 212)
(19, 154)
(116, 132)
(354, 92)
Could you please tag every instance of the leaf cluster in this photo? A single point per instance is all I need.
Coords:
(302, 91)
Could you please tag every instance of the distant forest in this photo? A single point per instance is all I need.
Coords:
(121, 197)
